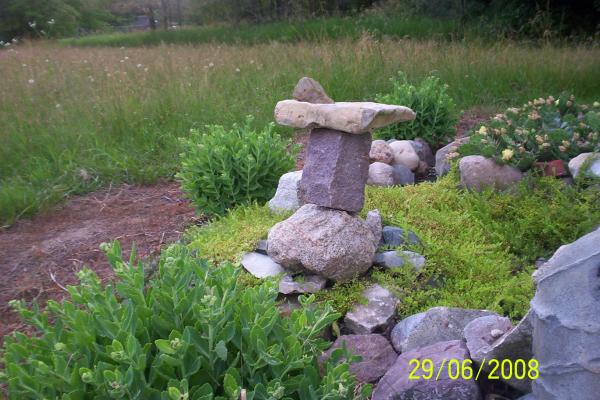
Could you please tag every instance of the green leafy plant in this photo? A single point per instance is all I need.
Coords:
(435, 109)
(541, 130)
(222, 168)
(190, 332)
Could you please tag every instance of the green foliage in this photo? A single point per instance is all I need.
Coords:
(223, 168)
(435, 109)
(190, 332)
(541, 130)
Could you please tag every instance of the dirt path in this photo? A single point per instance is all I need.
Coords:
(40, 254)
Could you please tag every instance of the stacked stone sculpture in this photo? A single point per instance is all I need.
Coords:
(324, 236)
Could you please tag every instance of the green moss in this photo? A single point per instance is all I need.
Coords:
(226, 238)
(342, 296)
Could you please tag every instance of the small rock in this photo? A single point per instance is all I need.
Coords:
(375, 224)
(442, 163)
(403, 175)
(437, 324)
(396, 383)
(380, 174)
(262, 247)
(394, 236)
(286, 197)
(422, 169)
(393, 260)
(478, 173)
(301, 284)
(381, 152)
(311, 91)
(593, 167)
(375, 315)
(376, 352)
(260, 265)
(404, 154)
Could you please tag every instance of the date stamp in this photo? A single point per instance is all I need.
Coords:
(455, 369)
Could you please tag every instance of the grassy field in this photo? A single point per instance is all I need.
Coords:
(74, 119)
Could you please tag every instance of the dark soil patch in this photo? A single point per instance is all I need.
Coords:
(41, 254)
(470, 119)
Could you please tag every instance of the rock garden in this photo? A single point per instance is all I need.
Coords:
(400, 263)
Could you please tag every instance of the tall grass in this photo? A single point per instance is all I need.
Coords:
(73, 119)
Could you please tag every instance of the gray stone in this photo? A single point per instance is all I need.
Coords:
(311, 91)
(528, 396)
(402, 175)
(380, 174)
(381, 152)
(593, 167)
(323, 241)
(405, 154)
(478, 173)
(336, 170)
(301, 284)
(262, 247)
(423, 151)
(376, 352)
(396, 384)
(352, 117)
(566, 322)
(442, 163)
(374, 222)
(437, 324)
(493, 338)
(286, 197)
(260, 265)
(375, 315)
(394, 236)
(393, 259)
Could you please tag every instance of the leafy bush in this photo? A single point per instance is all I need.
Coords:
(541, 130)
(191, 333)
(223, 168)
(435, 109)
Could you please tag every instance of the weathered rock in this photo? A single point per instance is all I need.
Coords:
(374, 222)
(380, 174)
(593, 167)
(437, 324)
(442, 163)
(373, 316)
(311, 91)
(260, 265)
(262, 247)
(478, 173)
(405, 154)
(323, 241)
(394, 236)
(336, 170)
(493, 337)
(286, 197)
(566, 322)
(396, 384)
(381, 152)
(351, 117)
(301, 284)
(423, 169)
(394, 259)
(376, 352)
(423, 151)
(403, 175)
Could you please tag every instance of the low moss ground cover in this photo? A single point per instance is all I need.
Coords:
(480, 247)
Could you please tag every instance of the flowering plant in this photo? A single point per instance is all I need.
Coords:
(541, 130)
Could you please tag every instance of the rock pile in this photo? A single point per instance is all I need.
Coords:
(396, 162)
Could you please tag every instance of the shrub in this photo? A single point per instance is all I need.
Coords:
(541, 130)
(191, 333)
(435, 109)
(223, 168)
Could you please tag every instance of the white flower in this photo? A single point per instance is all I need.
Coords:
(32, 24)
(57, 105)
(596, 104)
(51, 22)
(237, 70)
(211, 64)
(14, 40)
(139, 65)
(31, 81)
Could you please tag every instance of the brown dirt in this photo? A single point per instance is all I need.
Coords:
(470, 118)
(40, 255)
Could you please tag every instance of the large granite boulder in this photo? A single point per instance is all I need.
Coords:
(405, 154)
(336, 170)
(478, 173)
(351, 117)
(323, 241)
(286, 197)
(376, 352)
(375, 315)
(397, 385)
(593, 167)
(442, 161)
(437, 324)
(311, 91)
(381, 152)
(566, 322)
